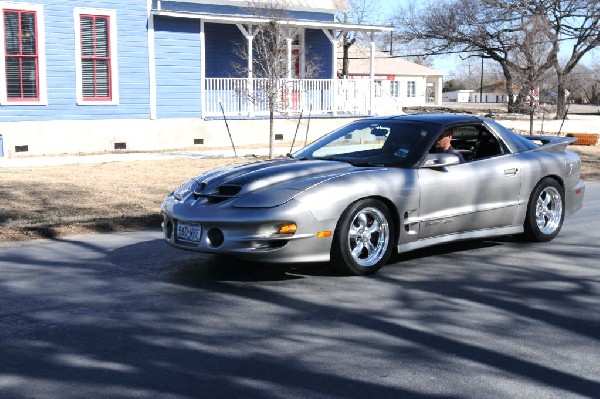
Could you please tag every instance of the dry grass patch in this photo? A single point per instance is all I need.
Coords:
(590, 161)
(53, 201)
(46, 202)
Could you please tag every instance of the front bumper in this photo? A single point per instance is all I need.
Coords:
(250, 233)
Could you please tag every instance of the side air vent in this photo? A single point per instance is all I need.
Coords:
(228, 190)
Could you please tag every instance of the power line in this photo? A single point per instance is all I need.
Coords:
(448, 52)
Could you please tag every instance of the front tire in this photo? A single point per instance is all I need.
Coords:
(363, 238)
(545, 211)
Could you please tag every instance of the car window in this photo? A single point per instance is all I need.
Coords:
(361, 139)
(475, 142)
(374, 142)
(465, 133)
(487, 146)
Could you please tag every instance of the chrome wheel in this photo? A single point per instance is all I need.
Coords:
(368, 237)
(545, 211)
(548, 211)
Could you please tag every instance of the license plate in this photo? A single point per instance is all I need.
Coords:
(188, 232)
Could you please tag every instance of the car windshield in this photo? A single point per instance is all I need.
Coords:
(374, 143)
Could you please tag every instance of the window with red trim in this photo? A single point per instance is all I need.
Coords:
(95, 57)
(21, 55)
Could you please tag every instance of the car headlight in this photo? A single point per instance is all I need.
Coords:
(185, 189)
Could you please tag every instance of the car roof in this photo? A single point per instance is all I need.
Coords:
(442, 119)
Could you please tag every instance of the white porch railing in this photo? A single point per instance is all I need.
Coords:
(248, 97)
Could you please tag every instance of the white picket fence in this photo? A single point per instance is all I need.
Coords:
(248, 97)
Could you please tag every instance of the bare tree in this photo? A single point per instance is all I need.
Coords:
(531, 59)
(582, 84)
(468, 26)
(579, 22)
(360, 11)
(270, 70)
(592, 88)
(523, 36)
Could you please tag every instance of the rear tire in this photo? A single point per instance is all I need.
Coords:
(545, 211)
(363, 238)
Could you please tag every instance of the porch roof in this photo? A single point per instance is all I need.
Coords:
(298, 23)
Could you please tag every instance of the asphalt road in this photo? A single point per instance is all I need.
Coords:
(126, 316)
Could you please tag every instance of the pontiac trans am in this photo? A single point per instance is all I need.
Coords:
(376, 187)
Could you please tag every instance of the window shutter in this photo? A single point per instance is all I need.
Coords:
(95, 53)
(21, 55)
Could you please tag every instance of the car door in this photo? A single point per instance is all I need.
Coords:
(480, 194)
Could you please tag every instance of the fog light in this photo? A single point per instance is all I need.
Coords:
(168, 229)
(215, 237)
(288, 228)
(323, 234)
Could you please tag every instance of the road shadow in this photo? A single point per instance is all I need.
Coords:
(149, 320)
(189, 268)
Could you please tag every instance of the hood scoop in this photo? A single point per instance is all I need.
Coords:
(252, 178)
(221, 193)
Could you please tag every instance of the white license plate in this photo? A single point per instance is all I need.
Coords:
(189, 232)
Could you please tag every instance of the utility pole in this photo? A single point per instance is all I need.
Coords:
(481, 82)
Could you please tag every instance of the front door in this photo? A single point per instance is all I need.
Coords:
(468, 197)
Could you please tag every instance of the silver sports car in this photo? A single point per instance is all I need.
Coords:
(380, 185)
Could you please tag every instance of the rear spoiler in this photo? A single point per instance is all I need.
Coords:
(551, 143)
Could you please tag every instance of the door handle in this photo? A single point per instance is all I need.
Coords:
(511, 171)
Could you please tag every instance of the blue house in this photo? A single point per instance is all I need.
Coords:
(86, 75)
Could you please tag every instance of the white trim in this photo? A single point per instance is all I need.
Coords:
(247, 4)
(151, 61)
(238, 19)
(202, 69)
(114, 70)
(302, 54)
(41, 48)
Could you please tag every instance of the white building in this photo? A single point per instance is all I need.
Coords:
(399, 82)
(491, 93)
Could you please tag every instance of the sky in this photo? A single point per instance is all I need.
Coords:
(448, 64)
(445, 64)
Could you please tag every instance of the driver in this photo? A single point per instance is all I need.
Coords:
(443, 145)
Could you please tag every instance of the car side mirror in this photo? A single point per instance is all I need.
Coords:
(440, 160)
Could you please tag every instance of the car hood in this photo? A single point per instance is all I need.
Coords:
(267, 183)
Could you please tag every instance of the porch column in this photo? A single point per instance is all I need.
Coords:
(249, 32)
(288, 41)
(288, 84)
(249, 84)
(370, 36)
(334, 44)
(438, 92)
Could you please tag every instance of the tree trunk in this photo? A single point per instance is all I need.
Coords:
(345, 57)
(511, 106)
(561, 97)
